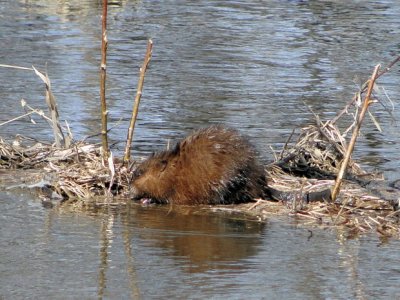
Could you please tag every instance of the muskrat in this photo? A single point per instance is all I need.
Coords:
(214, 165)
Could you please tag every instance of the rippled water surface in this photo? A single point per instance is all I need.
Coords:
(259, 66)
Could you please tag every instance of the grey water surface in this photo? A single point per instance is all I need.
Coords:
(259, 66)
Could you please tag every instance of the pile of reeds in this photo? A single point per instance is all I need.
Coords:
(318, 153)
(356, 211)
(319, 181)
(303, 181)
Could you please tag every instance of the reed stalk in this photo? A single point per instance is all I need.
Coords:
(135, 110)
(350, 148)
(104, 112)
(51, 102)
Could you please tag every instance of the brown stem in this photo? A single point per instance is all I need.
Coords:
(367, 102)
(104, 111)
(137, 101)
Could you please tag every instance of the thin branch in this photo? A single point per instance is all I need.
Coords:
(15, 67)
(367, 102)
(389, 66)
(286, 144)
(135, 110)
(17, 118)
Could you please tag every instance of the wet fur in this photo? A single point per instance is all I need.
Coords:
(214, 165)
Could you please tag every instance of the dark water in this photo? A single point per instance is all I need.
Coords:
(254, 65)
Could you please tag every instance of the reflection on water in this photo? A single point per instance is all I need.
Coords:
(250, 64)
(153, 253)
(206, 242)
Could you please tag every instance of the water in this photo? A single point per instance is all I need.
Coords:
(254, 65)
(151, 254)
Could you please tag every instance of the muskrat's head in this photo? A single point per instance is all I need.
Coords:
(152, 180)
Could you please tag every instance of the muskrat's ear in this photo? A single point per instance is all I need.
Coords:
(176, 149)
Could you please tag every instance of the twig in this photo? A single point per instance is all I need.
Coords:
(34, 110)
(17, 118)
(390, 65)
(15, 67)
(367, 102)
(103, 65)
(137, 101)
(286, 144)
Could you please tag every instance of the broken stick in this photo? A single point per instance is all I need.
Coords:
(349, 151)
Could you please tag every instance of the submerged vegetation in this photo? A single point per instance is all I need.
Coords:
(312, 178)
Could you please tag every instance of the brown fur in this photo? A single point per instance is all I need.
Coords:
(214, 165)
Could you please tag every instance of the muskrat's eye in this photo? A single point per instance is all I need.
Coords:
(137, 173)
(163, 164)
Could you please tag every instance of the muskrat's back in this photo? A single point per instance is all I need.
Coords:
(213, 165)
